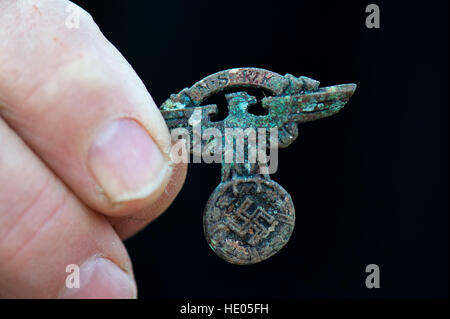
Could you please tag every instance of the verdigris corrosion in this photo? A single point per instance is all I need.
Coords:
(249, 217)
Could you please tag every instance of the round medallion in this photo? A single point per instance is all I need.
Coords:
(248, 220)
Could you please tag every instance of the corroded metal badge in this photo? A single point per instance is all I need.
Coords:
(249, 217)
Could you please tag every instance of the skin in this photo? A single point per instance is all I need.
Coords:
(66, 96)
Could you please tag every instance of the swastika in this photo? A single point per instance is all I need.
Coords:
(250, 225)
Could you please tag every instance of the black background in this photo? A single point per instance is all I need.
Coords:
(370, 185)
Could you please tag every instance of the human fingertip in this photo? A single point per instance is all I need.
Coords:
(100, 278)
(126, 161)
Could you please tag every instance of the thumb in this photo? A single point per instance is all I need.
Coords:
(73, 98)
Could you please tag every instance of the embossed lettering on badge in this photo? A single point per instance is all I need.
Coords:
(249, 217)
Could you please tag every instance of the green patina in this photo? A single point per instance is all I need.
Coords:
(293, 100)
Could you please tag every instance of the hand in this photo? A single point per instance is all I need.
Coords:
(83, 156)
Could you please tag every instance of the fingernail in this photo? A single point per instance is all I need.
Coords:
(100, 278)
(126, 161)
